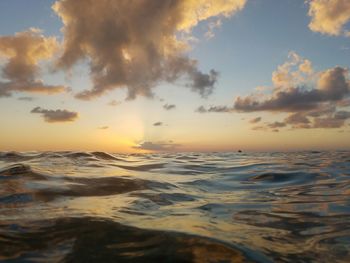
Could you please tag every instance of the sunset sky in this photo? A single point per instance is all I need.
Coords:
(174, 75)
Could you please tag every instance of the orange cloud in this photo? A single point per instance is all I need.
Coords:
(23, 52)
(329, 16)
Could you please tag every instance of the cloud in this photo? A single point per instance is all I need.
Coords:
(114, 103)
(276, 124)
(103, 128)
(333, 85)
(220, 109)
(296, 87)
(157, 146)
(26, 98)
(329, 16)
(169, 106)
(293, 72)
(202, 83)
(308, 120)
(201, 109)
(342, 115)
(255, 120)
(52, 116)
(272, 126)
(322, 110)
(297, 119)
(23, 52)
(137, 44)
(259, 128)
(335, 119)
(328, 122)
(211, 27)
(159, 123)
(312, 99)
(344, 103)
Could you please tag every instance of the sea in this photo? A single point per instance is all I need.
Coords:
(175, 207)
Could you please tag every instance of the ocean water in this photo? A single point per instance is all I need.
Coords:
(178, 207)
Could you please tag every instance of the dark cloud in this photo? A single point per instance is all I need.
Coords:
(335, 120)
(276, 124)
(344, 103)
(157, 146)
(4, 92)
(159, 123)
(220, 109)
(56, 115)
(325, 119)
(333, 85)
(297, 118)
(255, 120)
(201, 109)
(26, 98)
(202, 83)
(169, 106)
(114, 103)
(342, 115)
(21, 71)
(259, 128)
(322, 110)
(328, 122)
(137, 44)
(295, 99)
(103, 128)
(312, 99)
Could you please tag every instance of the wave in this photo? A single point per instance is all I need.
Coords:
(38, 186)
(174, 207)
(99, 240)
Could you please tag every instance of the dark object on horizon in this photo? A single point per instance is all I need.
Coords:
(239, 151)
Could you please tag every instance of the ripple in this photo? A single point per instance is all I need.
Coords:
(96, 206)
(166, 199)
(105, 156)
(77, 155)
(285, 178)
(143, 167)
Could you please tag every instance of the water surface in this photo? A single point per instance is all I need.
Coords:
(185, 207)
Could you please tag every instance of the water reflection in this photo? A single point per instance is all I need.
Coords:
(229, 207)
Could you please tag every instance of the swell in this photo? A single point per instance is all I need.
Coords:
(21, 184)
(16, 171)
(99, 240)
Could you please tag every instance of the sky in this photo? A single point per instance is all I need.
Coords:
(174, 75)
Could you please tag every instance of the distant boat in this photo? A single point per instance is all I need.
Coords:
(239, 151)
